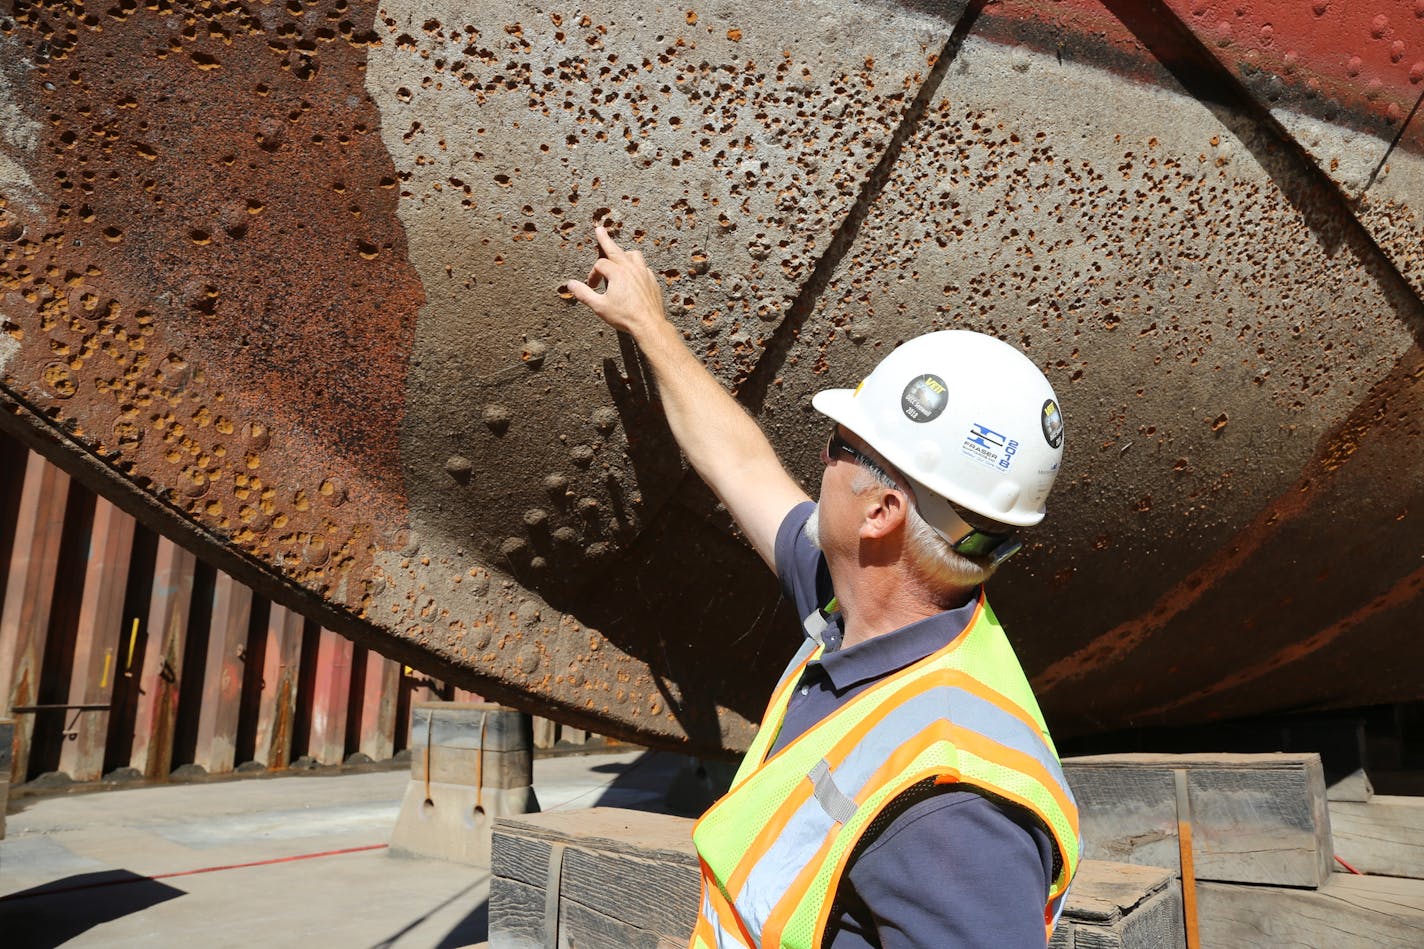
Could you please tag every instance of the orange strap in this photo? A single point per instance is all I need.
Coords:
(1189, 872)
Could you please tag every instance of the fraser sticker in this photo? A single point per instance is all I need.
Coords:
(991, 447)
(1052, 420)
(924, 398)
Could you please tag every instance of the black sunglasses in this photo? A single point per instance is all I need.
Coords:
(979, 544)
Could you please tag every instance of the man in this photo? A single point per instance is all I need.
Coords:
(902, 790)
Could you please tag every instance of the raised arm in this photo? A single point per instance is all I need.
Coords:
(723, 443)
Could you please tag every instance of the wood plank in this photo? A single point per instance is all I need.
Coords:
(277, 704)
(1363, 911)
(222, 675)
(167, 631)
(332, 695)
(1385, 836)
(1255, 818)
(29, 596)
(100, 630)
(660, 837)
(381, 693)
(655, 896)
(1121, 906)
(516, 918)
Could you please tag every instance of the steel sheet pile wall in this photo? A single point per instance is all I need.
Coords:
(122, 655)
(283, 279)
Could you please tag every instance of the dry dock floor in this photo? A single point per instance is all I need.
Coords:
(296, 860)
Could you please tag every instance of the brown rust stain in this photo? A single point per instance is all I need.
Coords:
(215, 278)
(1403, 593)
(1368, 420)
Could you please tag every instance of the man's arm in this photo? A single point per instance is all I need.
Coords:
(723, 443)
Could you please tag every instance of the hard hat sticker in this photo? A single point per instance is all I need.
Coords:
(924, 398)
(991, 447)
(1052, 420)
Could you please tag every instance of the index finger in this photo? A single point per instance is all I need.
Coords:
(606, 243)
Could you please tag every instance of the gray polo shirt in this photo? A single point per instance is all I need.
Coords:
(948, 867)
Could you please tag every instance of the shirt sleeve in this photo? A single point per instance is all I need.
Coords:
(957, 870)
(800, 567)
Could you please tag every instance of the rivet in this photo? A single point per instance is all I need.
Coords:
(496, 418)
(459, 467)
(534, 353)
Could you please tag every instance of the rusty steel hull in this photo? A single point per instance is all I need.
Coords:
(284, 281)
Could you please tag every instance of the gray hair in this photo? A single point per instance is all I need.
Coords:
(928, 552)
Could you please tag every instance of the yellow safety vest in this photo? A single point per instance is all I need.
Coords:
(774, 848)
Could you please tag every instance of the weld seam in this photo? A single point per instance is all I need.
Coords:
(751, 392)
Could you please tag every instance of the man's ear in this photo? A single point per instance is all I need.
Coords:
(885, 514)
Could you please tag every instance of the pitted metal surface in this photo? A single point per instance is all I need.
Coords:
(285, 279)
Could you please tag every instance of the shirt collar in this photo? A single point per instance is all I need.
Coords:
(881, 655)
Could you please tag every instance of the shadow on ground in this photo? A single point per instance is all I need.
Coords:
(662, 782)
(53, 914)
(474, 928)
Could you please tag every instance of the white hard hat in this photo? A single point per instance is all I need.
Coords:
(965, 417)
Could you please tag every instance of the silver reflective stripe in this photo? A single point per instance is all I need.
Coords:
(1056, 907)
(815, 624)
(725, 940)
(806, 829)
(831, 798)
(802, 654)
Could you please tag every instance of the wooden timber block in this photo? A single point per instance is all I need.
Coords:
(1385, 836)
(470, 763)
(606, 878)
(1348, 912)
(1121, 906)
(1255, 818)
(601, 877)
(7, 739)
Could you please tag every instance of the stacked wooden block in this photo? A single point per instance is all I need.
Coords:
(1257, 829)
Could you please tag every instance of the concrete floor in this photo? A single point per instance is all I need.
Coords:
(256, 862)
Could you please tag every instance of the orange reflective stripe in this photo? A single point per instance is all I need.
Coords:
(887, 705)
(770, 831)
(727, 914)
(898, 762)
(881, 709)
(703, 934)
(884, 684)
(777, 708)
(1027, 765)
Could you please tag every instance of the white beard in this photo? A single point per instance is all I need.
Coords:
(813, 528)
